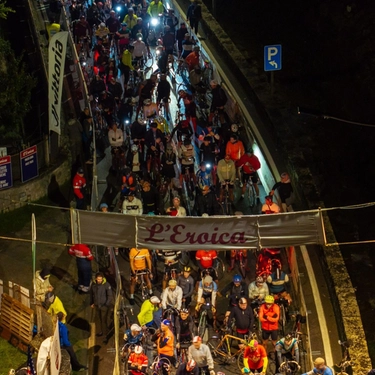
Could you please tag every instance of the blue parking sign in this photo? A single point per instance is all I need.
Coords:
(272, 58)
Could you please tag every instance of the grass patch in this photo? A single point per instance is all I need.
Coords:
(11, 357)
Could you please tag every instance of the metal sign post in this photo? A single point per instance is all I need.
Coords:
(272, 61)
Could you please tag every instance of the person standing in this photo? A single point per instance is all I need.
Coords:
(194, 15)
(285, 190)
(42, 283)
(83, 256)
(75, 131)
(202, 356)
(269, 315)
(79, 184)
(101, 299)
(244, 318)
(164, 339)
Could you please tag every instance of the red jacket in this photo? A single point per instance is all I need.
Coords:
(249, 164)
(78, 183)
(81, 251)
(235, 150)
(269, 317)
(206, 258)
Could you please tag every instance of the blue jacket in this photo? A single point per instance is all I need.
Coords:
(130, 339)
(64, 335)
(314, 371)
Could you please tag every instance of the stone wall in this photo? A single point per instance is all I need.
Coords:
(342, 291)
(35, 189)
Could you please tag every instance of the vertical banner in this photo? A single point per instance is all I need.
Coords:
(29, 163)
(56, 65)
(6, 180)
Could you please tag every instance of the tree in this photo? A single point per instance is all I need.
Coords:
(15, 93)
(4, 10)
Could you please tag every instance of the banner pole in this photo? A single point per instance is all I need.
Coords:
(33, 249)
(323, 226)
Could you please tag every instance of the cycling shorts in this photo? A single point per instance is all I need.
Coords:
(267, 334)
(254, 177)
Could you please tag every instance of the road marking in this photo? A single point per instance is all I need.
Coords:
(318, 305)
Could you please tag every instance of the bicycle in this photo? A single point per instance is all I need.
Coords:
(223, 349)
(289, 367)
(182, 353)
(125, 352)
(283, 305)
(250, 192)
(226, 204)
(202, 323)
(344, 367)
(140, 283)
(159, 364)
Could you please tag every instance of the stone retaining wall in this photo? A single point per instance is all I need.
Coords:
(35, 189)
(342, 291)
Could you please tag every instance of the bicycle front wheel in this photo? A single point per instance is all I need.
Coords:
(202, 325)
(240, 361)
(251, 194)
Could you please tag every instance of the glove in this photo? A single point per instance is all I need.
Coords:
(197, 307)
(245, 370)
(166, 339)
(274, 315)
(212, 372)
(213, 309)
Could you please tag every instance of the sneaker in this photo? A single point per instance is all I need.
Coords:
(132, 301)
(80, 287)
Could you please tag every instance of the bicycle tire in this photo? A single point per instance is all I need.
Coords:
(202, 325)
(251, 194)
(149, 62)
(240, 361)
(282, 320)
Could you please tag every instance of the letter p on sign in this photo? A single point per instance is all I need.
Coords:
(272, 57)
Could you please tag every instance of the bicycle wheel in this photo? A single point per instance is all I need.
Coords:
(202, 325)
(149, 62)
(250, 193)
(282, 320)
(240, 361)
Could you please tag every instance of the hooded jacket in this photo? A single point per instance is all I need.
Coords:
(101, 294)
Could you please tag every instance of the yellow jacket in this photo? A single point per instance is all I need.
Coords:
(127, 59)
(56, 307)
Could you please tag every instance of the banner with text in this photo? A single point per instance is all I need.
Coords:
(6, 180)
(29, 163)
(56, 66)
(193, 233)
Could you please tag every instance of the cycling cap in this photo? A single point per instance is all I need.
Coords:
(253, 344)
(213, 82)
(154, 299)
(191, 364)
(207, 280)
(259, 280)
(237, 278)
(138, 349)
(80, 170)
(166, 322)
(135, 327)
(197, 339)
(139, 36)
(269, 299)
(243, 300)
(187, 269)
(103, 205)
(134, 148)
(172, 282)
(185, 311)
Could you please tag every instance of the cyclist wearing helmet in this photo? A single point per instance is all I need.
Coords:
(103, 207)
(184, 328)
(134, 160)
(258, 289)
(269, 315)
(207, 262)
(236, 289)
(287, 347)
(188, 368)
(243, 316)
(132, 205)
(186, 154)
(186, 283)
(134, 335)
(255, 358)
(140, 261)
(285, 191)
(137, 362)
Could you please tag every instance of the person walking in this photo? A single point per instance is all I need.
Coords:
(83, 256)
(65, 344)
(101, 299)
(194, 15)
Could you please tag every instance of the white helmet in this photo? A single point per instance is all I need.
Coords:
(134, 148)
(102, 25)
(135, 327)
(154, 299)
(138, 349)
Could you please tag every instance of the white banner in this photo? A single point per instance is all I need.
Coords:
(55, 352)
(56, 65)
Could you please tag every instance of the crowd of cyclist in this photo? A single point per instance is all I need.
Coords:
(174, 318)
(153, 156)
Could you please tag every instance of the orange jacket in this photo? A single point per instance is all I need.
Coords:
(235, 150)
(165, 343)
(269, 317)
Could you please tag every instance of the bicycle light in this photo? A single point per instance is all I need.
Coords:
(208, 165)
(118, 8)
(154, 21)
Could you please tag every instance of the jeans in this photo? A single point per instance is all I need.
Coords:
(84, 271)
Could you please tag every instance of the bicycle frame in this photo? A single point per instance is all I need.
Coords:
(224, 348)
